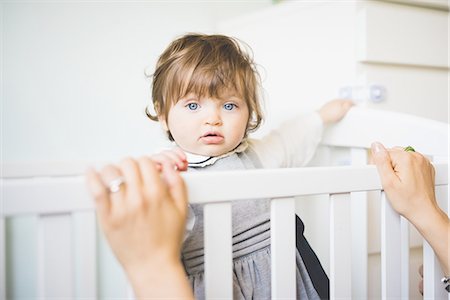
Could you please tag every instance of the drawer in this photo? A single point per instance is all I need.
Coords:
(399, 34)
(418, 91)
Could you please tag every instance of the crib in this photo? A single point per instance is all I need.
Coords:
(66, 241)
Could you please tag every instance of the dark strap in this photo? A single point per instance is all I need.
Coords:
(313, 266)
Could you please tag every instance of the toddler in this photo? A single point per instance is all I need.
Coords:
(206, 95)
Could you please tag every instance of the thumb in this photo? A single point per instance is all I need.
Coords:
(177, 189)
(383, 162)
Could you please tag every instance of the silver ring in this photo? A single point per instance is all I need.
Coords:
(115, 184)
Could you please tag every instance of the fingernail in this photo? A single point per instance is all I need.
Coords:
(376, 147)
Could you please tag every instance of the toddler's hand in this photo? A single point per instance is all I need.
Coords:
(174, 158)
(335, 110)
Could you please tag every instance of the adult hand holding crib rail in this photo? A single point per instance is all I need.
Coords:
(143, 222)
(408, 180)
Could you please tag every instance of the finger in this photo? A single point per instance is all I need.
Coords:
(108, 174)
(165, 161)
(151, 180)
(99, 191)
(180, 153)
(348, 104)
(177, 189)
(131, 172)
(383, 162)
(433, 172)
(183, 158)
(421, 270)
(177, 159)
(116, 205)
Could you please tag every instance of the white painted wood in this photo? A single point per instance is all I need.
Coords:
(85, 254)
(430, 272)
(433, 287)
(20, 194)
(2, 258)
(340, 247)
(428, 83)
(55, 257)
(254, 180)
(55, 194)
(218, 251)
(359, 232)
(404, 257)
(390, 128)
(48, 168)
(435, 4)
(282, 236)
(130, 292)
(390, 251)
(407, 35)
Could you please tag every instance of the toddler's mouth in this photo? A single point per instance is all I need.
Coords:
(212, 138)
(208, 134)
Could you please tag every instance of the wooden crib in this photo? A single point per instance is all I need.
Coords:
(66, 241)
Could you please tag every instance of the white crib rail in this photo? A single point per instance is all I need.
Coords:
(53, 198)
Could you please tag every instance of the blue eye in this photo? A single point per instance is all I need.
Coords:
(229, 106)
(192, 106)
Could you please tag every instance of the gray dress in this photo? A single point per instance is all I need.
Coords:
(251, 242)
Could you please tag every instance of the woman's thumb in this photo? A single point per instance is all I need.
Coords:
(383, 162)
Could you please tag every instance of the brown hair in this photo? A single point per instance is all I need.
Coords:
(205, 65)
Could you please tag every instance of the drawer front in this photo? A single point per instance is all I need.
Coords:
(399, 34)
(417, 91)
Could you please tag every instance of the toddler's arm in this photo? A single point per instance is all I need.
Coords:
(294, 143)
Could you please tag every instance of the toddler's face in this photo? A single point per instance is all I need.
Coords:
(208, 126)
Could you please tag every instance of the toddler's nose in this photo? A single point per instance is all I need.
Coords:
(214, 119)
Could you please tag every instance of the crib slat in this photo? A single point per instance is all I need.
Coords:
(390, 251)
(85, 251)
(340, 244)
(432, 273)
(359, 232)
(404, 252)
(282, 245)
(359, 244)
(55, 249)
(218, 251)
(2, 259)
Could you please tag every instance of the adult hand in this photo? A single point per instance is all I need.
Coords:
(407, 178)
(144, 223)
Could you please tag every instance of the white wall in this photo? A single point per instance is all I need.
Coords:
(73, 88)
(73, 73)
